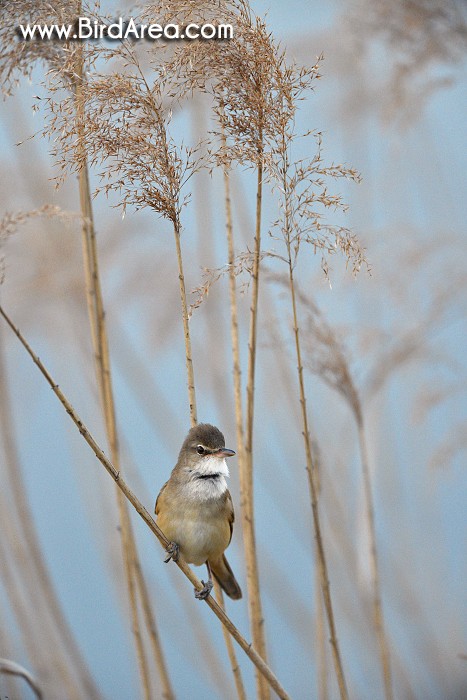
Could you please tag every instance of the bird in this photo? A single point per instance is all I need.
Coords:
(194, 508)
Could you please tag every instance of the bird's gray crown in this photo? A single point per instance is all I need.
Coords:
(206, 435)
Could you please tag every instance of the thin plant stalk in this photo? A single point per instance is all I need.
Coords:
(103, 372)
(246, 465)
(98, 333)
(237, 674)
(9, 685)
(323, 693)
(133, 571)
(128, 563)
(247, 647)
(237, 374)
(344, 381)
(378, 617)
(246, 481)
(228, 642)
(186, 327)
(288, 230)
(177, 229)
(322, 564)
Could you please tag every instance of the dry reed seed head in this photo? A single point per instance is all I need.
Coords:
(409, 21)
(11, 222)
(303, 196)
(417, 36)
(326, 354)
(242, 77)
(420, 31)
(243, 263)
(255, 96)
(124, 119)
(18, 57)
(327, 359)
(117, 120)
(119, 123)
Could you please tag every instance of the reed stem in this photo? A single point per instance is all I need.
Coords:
(322, 564)
(133, 572)
(186, 328)
(246, 468)
(237, 674)
(378, 617)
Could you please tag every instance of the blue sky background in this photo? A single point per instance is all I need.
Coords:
(409, 212)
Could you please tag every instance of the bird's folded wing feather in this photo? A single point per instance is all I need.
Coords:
(231, 516)
(157, 507)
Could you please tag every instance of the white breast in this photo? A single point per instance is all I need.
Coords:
(205, 489)
(201, 527)
(212, 465)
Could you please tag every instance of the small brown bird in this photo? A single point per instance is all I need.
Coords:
(194, 508)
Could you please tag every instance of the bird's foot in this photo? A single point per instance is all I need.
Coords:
(173, 551)
(205, 591)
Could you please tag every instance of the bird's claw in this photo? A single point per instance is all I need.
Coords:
(173, 552)
(205, 591)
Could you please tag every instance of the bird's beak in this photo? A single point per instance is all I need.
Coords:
(224, 452)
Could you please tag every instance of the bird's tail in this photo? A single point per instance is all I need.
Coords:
(224, 575)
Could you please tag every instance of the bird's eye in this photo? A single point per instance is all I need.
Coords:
(200, 450)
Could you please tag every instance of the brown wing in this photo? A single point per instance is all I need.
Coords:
(157, 499)
(231, 515)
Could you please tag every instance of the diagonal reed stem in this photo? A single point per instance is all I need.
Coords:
(237, 674)
(247, 647)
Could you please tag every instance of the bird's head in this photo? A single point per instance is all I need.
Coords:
(204, 451)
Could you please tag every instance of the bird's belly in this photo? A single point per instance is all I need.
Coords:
(199, 538)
